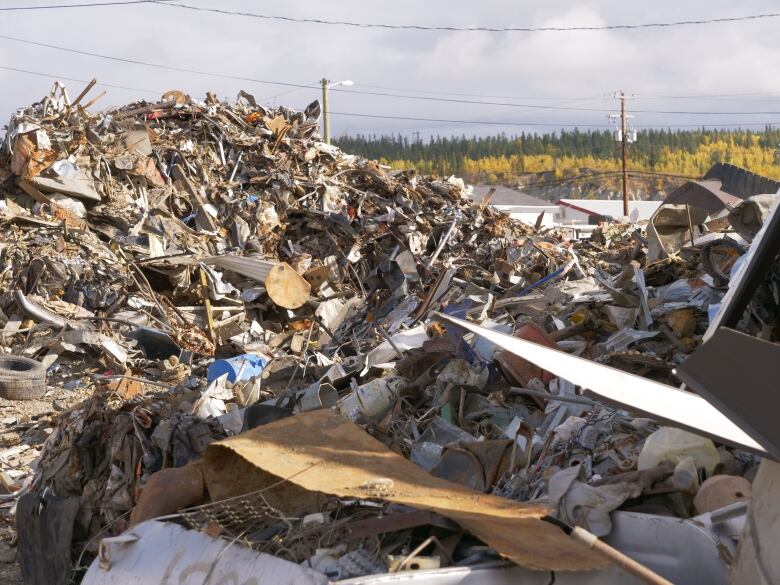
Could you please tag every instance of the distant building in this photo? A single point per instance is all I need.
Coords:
(593, 211)
(723, 185)
(518, 205)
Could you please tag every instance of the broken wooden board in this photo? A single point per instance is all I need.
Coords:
(286, 287)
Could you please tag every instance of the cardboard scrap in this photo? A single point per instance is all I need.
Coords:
(321, 452)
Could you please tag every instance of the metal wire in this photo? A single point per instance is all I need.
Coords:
(251, 520)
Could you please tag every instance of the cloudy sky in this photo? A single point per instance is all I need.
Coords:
(688, 68)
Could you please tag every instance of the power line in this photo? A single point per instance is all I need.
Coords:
(112, 86)
(480, 122)
(155, 65)
(551, 124)
(420, 119)
(604, 97)
(546, 107)
(84, 5)
(359, 92)
(474, 102)
(481, 95)
(280, 83)
(705, 113)
(652, 95)
(474, 28)
(586, 176)
(500, 123)
(745, 18)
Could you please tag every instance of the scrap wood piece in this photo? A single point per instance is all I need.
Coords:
(32, 192)
(321, 452)
(286, 287)
(127, 386)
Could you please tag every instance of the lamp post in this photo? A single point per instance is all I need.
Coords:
(326, 85)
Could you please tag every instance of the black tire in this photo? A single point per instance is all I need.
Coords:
(713, 263)
(22, 389)
(21, 378)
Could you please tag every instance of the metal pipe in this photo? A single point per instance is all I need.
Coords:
(389, 340)
(235, 168)
(36, 312)
(443, 241)
(559, 397)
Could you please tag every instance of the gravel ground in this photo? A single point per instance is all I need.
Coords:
(26, 422)
(9, 559)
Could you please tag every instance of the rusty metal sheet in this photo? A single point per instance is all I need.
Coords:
(320, 451)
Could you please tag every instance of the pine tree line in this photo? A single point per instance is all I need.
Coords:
(505, 157)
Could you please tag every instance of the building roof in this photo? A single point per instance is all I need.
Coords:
(611, 207)
(507, 196)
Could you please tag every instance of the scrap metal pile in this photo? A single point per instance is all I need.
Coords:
(199, 269)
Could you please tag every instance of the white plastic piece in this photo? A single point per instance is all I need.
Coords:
(670, 444)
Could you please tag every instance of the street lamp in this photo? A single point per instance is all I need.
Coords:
(326, 85)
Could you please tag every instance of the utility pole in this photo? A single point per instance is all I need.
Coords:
(624, 148)
(326, 85)
(626, 136)
(325, 111)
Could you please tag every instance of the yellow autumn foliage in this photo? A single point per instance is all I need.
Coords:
(756, 158)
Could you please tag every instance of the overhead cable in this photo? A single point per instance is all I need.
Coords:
(371, 93)
(450, 28)
(80, 5)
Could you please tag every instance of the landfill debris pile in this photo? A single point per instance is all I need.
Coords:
(196, 270)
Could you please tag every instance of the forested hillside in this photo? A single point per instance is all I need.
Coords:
(508, 159)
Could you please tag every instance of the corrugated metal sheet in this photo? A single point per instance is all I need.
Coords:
(163, 552)
(249, 266)
(741, 182)
(702, 194)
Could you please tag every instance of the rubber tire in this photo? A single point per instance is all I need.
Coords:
(21, 378)
(721, 280)
(22, 389)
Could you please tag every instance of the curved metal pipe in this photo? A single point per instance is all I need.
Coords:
(33, 311)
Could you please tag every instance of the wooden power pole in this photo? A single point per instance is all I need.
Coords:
(624, 149)
(625, 134)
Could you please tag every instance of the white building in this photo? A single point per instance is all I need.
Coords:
(517, 204)
(584, 211)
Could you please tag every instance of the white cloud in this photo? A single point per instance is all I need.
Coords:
(721, 58)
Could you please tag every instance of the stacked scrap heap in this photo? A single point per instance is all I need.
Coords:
(187, 271)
